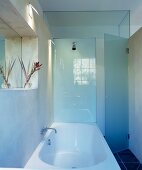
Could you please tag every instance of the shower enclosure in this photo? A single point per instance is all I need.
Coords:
(91, 82)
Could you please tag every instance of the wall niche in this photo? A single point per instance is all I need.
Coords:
(13, 49)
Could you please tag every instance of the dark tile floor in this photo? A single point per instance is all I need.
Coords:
(127, 160)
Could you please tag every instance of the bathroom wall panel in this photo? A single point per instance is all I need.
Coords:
(75, 81)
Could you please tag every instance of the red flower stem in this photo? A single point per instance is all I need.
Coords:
(28, 78)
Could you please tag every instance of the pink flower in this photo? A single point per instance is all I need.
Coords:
(35, 67)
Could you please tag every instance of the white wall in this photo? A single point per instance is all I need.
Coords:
(24, 113)
(135, 94)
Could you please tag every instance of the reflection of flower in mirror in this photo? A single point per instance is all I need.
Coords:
(5, 72)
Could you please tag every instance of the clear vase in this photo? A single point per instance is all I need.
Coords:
(28, 85)
(5, 85)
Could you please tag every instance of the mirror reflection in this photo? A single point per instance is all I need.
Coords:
(10, 51)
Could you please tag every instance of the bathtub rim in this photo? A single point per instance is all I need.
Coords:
(54, 125)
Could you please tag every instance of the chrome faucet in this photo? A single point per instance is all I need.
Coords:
(44, 130)
(53, 129)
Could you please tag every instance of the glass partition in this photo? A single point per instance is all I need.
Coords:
(75, 80)
(116, 91)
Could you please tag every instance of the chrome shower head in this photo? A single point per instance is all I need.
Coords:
(74, 46)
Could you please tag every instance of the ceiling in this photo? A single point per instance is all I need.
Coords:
(70, 19)
(135, 7)
(72, 24)
(95, 5)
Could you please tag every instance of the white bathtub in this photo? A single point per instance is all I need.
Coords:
(74, 146)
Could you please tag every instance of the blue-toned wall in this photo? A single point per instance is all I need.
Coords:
(23, 113)
(75, 81)
(19, 126)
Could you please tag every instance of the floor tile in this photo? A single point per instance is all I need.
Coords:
(122, 166)
(127, 156)
(131, 166)
(117, 157)
(140, 167)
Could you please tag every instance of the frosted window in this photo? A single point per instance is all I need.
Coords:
(84, 71)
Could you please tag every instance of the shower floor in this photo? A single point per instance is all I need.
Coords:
(127, 160)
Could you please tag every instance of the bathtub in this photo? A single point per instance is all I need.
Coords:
(74, 146)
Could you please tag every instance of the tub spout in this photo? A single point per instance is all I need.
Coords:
(45, 129)
(53, 129)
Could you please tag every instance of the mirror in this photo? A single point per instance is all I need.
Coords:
(10, 51)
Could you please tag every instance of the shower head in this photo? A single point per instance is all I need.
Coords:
(74, 46)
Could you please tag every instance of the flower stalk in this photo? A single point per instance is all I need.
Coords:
(5, 72)
(28, 74)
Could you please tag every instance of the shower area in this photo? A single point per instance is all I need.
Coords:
(90, 71)
(75, 80)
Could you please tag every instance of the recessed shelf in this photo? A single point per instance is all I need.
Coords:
(17, 89)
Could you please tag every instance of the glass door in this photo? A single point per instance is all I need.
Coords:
(116, 92)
